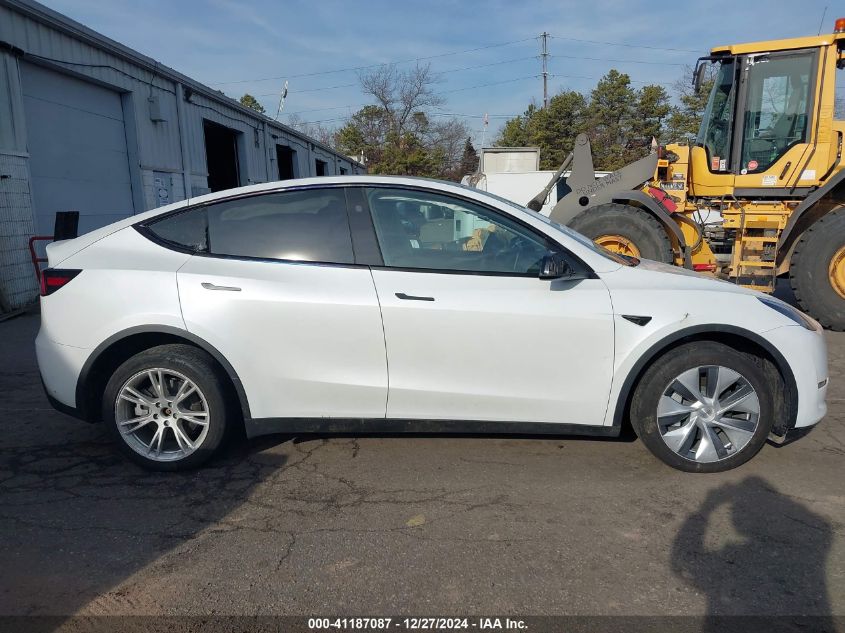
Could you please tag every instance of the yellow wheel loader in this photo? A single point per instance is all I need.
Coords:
(760, 194)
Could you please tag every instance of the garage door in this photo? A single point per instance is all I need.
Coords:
(77, 145)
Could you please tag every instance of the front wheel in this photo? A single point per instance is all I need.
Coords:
(704, 407)
(165, 407)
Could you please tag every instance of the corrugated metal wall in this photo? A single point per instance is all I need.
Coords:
(158, 161)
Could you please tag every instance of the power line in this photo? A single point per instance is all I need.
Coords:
(653, 48)
(441, 72)
(473, 116)
(404, 61)
(619, 61)
(342, 107)
(495, 83)
(499, 63)
(545, 74)
(361, 105)
(296, 92)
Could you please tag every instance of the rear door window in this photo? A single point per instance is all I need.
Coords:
(309, 225)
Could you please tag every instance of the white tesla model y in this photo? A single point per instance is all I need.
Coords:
(384, 304)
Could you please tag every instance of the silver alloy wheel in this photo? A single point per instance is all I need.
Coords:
(162, 414)
(708, 413)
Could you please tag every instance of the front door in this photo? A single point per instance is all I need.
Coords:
(472, 333)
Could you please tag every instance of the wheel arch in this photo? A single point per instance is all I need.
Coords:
(733, 336)
(647, 203)
(107, 356)
(814, 207)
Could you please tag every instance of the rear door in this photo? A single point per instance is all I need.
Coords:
(472, 333)
(275, 289)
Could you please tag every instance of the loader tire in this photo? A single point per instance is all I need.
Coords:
(625, 229)
(817, 270)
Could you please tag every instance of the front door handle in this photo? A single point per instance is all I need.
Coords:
(209, 286)
(402, 295)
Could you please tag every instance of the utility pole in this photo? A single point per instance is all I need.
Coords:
(544, 56)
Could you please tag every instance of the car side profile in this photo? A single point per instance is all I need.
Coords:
(390, 304)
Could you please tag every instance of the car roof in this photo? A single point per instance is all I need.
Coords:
(283, 185)
(597, 262)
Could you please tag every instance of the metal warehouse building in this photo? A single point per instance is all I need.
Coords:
(89, 125)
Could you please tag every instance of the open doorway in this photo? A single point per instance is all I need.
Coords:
(286, 159)
(321, 167)
(221, 155)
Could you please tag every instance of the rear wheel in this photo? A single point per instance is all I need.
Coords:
(704, 407)
(165, 407)
(817, 270)
(627, 230)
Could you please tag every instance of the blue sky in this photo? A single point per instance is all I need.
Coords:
(222, 41)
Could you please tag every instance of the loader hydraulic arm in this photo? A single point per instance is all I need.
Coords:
(536, 203)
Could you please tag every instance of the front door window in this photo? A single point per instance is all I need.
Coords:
(777, 107)
(429, 231)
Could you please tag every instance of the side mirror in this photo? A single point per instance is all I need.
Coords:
(555, 267)
(698, 76)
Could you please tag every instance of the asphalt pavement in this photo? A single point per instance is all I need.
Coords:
(320, 525)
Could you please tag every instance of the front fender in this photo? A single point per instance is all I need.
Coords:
(631, 367)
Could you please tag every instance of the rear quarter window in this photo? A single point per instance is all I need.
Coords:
(188, 230)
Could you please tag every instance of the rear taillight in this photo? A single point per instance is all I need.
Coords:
(54, 278)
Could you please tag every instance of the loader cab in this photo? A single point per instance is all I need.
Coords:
(767, 112)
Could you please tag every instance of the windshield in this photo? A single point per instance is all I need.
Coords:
(717, 121)
(625, 260)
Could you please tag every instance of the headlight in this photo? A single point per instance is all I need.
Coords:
(788, 311)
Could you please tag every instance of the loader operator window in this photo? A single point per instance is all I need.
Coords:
(776, 113)
(717, 121)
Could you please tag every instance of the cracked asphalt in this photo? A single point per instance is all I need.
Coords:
(338, 525)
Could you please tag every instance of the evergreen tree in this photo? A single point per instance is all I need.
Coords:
(251, 102)
(469, 160)
(646, 122)
(609, 120)
(620, 121)
(555, 127)
(685, 119)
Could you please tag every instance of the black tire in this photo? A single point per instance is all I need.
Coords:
(808, 270)
(198, 367)
(632, 223)
(758, 371)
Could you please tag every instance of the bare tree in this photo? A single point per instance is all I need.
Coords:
(317, 131)
(402, 94)
(401, 132)
(450, 136)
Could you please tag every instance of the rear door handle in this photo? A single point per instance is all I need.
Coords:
(209, 286)
(402, 295)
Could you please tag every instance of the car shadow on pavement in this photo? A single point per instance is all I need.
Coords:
(751, 549)
(77, 519)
